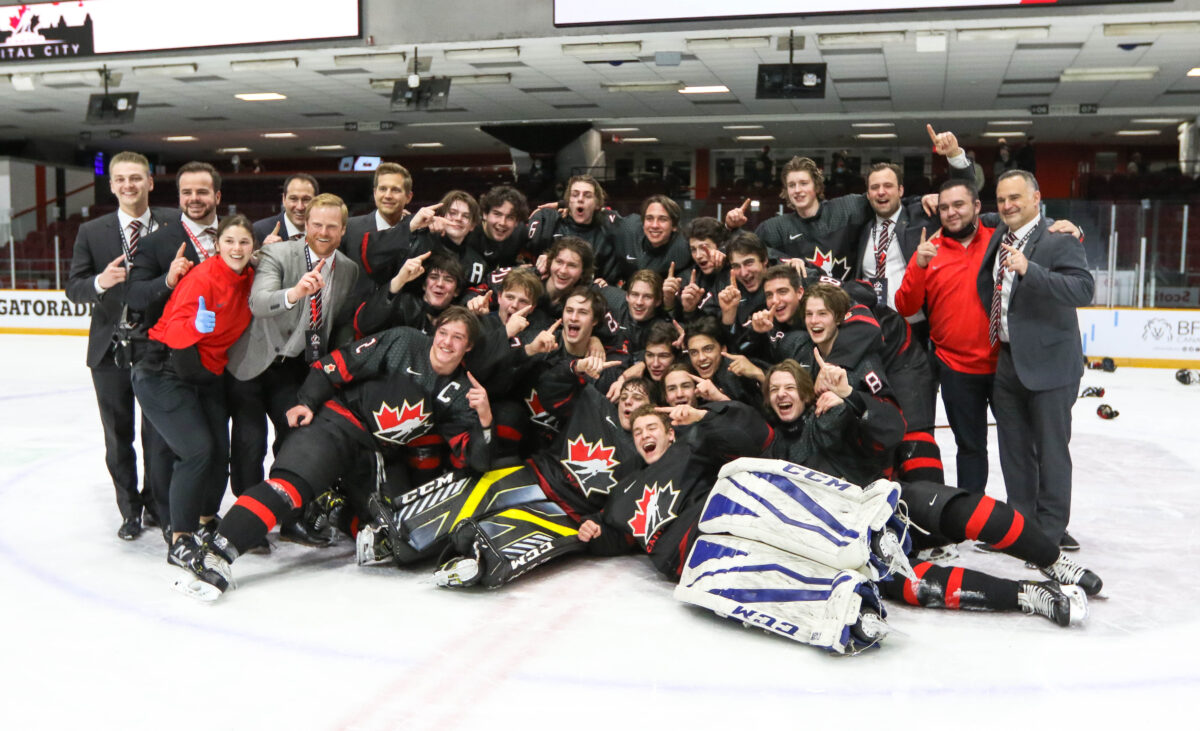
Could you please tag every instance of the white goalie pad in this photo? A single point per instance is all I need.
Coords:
(765, 588)
(799, 510)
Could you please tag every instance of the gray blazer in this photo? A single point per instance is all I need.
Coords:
(1043, 327)
(274, 324)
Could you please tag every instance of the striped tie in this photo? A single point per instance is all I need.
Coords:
(135, 235)
(881, 244)
(994, 317)
(296, 236)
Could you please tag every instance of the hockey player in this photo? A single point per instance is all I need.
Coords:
(811, 423)
(391, 306)
(656, 509)
(503, 232)
(650, 240)
(633, 310)
(444, 228)
(706, 243)
(585, 218)
(383, 393)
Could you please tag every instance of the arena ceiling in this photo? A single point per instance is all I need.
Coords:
(904, 75)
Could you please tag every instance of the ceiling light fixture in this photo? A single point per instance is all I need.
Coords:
(22, 82)
(1146, 29)
(619, 129)
(231, 150)
(872, 125)
(1006, 133)
(478, 79)
(265, 64)
(754, 138)
(180, 138)
(1158, 120)
(1112, 73)
(639, 139)
(1194, 71)
(482, 54)
(168, 69)
(643, 86)
(721, 44)
(841, 40)
(361, 59)
(425, 144)
(713, 89)
(1031, 33)
(1011, 122)
(743, 126)
(593, 49)
(261, 96)
(876, 135)
(278, 135)
(1137, 132)
(326, 148)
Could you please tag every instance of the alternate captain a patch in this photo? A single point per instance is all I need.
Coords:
(592, 465)
(399, 426)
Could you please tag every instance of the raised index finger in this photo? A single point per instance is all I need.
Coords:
(275, 231)
(932, 134)
(473, 381)
(555, 326)
(182, 249)
(693, 276)
(523, 311)
(117, 261)
(818, 358)
(745, 205)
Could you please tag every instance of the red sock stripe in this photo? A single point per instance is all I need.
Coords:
(424, 463)
(910, 586)
(954, 588)
(979, 518)
(917, 463)
(292, 493)
(919, 436)
(1014, 531)
(425, 441)
(262, 511)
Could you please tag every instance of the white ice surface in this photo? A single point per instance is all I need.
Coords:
(93, 637)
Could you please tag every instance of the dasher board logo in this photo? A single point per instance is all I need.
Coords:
(1157, 329)
(45, 31)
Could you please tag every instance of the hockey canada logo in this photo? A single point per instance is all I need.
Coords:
(592, 465)
(538, 414)
(399, 426)
(655, 509)
(825, 261)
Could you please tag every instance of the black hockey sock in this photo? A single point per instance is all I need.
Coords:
(952, 587)
(258, 510)
(919, 458)
(980, 518)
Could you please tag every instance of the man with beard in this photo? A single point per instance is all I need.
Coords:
(941, 278)
(648, 241)
(826, 234)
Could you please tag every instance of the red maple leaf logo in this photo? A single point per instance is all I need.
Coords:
(820, 259)
(400, 425)
(651, 512)
(535, 403)
(579, 450)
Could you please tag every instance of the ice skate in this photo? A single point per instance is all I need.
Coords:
(1066, 571)
(1063, 605)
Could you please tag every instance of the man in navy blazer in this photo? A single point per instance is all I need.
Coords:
(1031, 282)
(104, 249)
(288, 225)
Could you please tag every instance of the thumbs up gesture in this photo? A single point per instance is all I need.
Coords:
(206, 320)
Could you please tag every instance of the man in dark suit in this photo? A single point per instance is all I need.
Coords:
(1031, 282)
(104, 248)
(288, 225)
(393, 191)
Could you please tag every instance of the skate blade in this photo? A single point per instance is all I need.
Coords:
(1079, 603)
(197, 589)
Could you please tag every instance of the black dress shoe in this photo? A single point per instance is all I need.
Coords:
(130, 529)
(297, 532)
(149, 519)
(1067, 543)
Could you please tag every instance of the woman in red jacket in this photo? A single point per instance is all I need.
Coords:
(179, 387)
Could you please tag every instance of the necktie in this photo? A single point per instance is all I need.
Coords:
(296, 236)
(994, 316)
(135, 235)
(210, 232)
(317, 311)
(881, 244)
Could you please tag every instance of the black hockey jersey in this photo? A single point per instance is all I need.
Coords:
(386, 388)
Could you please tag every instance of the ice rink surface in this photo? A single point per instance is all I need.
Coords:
(93, 636)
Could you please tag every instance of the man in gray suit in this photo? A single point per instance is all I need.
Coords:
(1031, 281)
(300, 288)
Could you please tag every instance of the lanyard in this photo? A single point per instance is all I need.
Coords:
(200, 250)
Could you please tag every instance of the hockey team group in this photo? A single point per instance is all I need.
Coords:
(487, 390)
